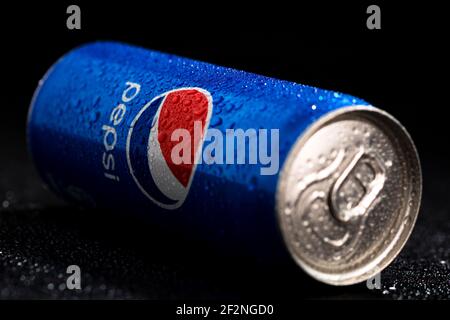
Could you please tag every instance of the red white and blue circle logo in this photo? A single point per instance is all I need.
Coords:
(150, 144)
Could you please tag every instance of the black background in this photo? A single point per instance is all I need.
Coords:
(402, 68)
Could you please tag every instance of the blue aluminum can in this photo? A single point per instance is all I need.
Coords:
(244, 159)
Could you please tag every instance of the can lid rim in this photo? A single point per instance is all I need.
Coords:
(391, 249)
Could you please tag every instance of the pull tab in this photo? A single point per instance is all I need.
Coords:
(358, 186)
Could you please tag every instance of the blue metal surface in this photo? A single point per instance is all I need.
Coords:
(76, 98)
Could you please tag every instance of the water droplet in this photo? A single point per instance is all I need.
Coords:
(94, 116)
(216, 121)
(176, 99)
(162, 136)
(253, 183)
(229, 107)
(198, 98)
(321, 159)
(9, 195)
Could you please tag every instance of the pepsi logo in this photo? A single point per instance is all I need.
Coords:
(150, 144)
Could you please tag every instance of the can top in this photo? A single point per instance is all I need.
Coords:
(349, 194)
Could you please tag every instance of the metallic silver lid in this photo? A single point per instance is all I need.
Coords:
(349, 194)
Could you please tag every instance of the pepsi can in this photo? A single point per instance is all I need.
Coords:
(266, 165)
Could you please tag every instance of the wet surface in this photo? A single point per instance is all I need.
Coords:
(122, 258)
(422, 269)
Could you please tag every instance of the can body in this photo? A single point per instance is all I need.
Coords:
(96, 136)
